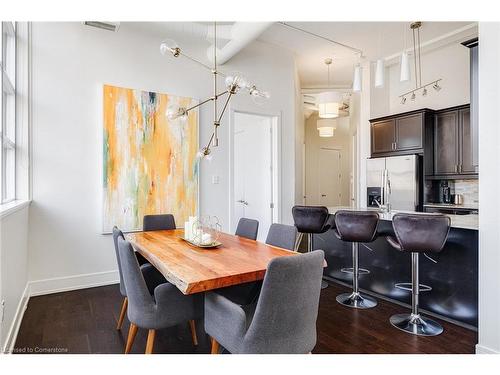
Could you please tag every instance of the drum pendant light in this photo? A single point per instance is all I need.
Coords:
(329, 101)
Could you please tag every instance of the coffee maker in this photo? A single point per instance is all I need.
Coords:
(445, 192)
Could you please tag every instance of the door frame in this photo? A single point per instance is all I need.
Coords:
(276, 182)
(339, 149)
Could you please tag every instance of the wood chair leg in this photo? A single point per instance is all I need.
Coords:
(151, 341)
(131, 336)
(122, 313)
(215, 346)
(192, 325)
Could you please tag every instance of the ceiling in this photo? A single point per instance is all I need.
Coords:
(375, 39)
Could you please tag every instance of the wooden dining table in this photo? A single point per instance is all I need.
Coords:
(193, 269)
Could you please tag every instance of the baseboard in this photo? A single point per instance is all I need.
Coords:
(16, 322)
(64, 284)
(480, 349)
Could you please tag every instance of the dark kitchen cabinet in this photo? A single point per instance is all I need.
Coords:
(453, 143)
(466, 165)
(383, 136)
(400, 134)
(446, 143)
(409, 132)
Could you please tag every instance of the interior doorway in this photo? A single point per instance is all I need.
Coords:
(254, 170)
(330, 179)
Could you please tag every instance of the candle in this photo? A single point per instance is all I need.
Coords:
(206, 238)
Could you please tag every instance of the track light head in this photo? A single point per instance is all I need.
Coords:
(436, 86)
(424, 92)
(403, 100)
(413, 96)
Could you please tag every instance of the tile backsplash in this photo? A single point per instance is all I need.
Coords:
(469, 189)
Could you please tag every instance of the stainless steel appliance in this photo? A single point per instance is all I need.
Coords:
(396, 179)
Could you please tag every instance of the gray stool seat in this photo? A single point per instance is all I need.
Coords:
(311, 220)
(418, 233)
(356, 227)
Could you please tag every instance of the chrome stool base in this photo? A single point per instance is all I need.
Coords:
(356, 300)
(324, 284)
(416, 324)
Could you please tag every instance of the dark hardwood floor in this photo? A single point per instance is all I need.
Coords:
(84, 321)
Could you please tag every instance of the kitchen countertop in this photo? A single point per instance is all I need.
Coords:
(452, 206)
(457, 221)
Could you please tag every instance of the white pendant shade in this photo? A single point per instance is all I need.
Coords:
(328, 104)
(356, 81)
(326, 127)
(405, 67)
(379, 73)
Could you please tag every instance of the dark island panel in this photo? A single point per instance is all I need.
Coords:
(454, 278)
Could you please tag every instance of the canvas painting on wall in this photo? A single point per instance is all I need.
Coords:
(149, 161)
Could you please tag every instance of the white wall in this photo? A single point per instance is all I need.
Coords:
(450, 62)
(340, 141)
(489, 204)
(71, 62)
(13, 270)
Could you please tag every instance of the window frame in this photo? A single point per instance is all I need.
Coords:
(8, 72)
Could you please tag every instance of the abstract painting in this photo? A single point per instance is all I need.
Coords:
(149, 161)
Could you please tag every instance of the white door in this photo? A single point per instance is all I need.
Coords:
(329, 178)
(253, 178)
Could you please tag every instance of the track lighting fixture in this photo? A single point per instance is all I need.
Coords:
(415, 28)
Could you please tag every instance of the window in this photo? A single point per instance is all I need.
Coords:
(8, 105)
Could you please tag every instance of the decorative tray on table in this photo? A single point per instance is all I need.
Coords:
(202, 232)
(203, 246)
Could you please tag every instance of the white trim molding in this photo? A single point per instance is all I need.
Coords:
(67, 283)
(480, 349)
(11, 337)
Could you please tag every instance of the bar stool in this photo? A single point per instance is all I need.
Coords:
(311, 220)
(418, 233)
(356, 227)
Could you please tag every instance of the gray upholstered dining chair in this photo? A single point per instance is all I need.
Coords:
(151, 275)
(284, 318)
(167, 307)
(282, 235)
(247, 228)
(279, 235)
(158, 222)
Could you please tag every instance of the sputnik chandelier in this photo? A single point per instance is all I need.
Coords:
(234, 83)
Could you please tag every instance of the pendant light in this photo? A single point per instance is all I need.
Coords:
(356, 81)
(379, 68)
(405, 62)
(405, 67)
(379, 73)
(328, 102)
(326, 127)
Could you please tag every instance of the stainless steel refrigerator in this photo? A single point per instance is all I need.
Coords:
(394, 180)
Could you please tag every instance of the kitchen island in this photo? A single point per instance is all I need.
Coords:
(453, 278)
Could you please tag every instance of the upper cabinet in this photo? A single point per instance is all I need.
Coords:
(400, 134)
(454, 144)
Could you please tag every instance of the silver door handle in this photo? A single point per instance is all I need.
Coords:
(323, 195)
(242, 201)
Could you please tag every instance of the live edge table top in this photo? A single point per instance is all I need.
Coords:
(238, 260)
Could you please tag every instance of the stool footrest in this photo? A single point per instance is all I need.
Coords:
(407, 287)
(351, 270)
